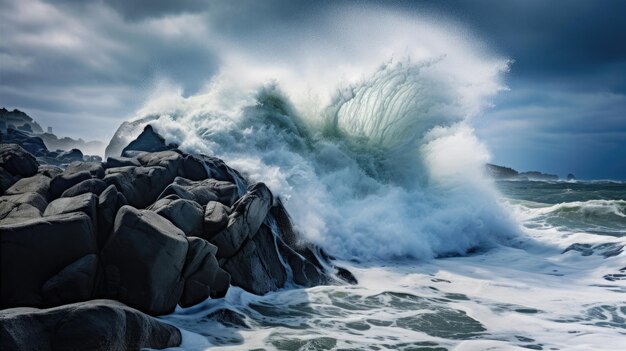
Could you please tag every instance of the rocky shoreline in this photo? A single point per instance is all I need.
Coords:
(91, 250)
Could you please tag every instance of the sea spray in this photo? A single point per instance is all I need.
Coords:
(377, 167)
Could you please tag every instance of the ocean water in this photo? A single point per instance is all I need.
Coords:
(367, 139)
(561, 285)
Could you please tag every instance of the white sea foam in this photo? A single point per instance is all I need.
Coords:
(370, 148)
(379, 166)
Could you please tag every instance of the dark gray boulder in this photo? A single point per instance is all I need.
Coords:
(86, 203)
(93, 185)
(113, 162)
(257, 268)
(248, 214)
(199, 273)
(193, 168)
(17, 161)
(96, 169)
(22, 207)
(36, 184)
(73, 283)
(141, 186)
(187, 215)
(216, 217)
(104, 325)
(143, 261)
(149, 140)
(65, 181)
(35, 250)
(109, 202)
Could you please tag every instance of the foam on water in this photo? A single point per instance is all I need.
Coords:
(371, 151)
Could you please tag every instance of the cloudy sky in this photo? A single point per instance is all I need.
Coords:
(84, 67)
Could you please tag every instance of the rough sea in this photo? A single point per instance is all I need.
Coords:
(560, 286)
(371, 149)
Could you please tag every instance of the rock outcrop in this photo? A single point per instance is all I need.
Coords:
(154, 229)
(506, 173)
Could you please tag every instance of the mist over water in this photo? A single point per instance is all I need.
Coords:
(371, 160)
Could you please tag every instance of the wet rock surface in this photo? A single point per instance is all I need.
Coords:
(152, 229)
(91, 325)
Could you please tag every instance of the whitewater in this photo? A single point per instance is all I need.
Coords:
(366, 138)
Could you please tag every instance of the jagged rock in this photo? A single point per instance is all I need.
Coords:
(22, 207)
(257, 268)
(113, 162)
(149, 141)
(220, 171)
(193, 168)
(304, 272)
(86, 203)
(245, 220)
(187, 215)
(35, 250)
(65, 181)
(96, 169)
(17, 161)
(94, 185)
(143, 261)
(36, 184)
(18, 118)
(73, 283)
(216, 217)
(199, 273)
(93, 325)
(109, 202)
(31, 144)
(346, 275)
(140, 185)
(283, 221)
(202, 191)
(126, 133)
(72, 155)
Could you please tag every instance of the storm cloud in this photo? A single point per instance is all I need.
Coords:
(83, 68)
